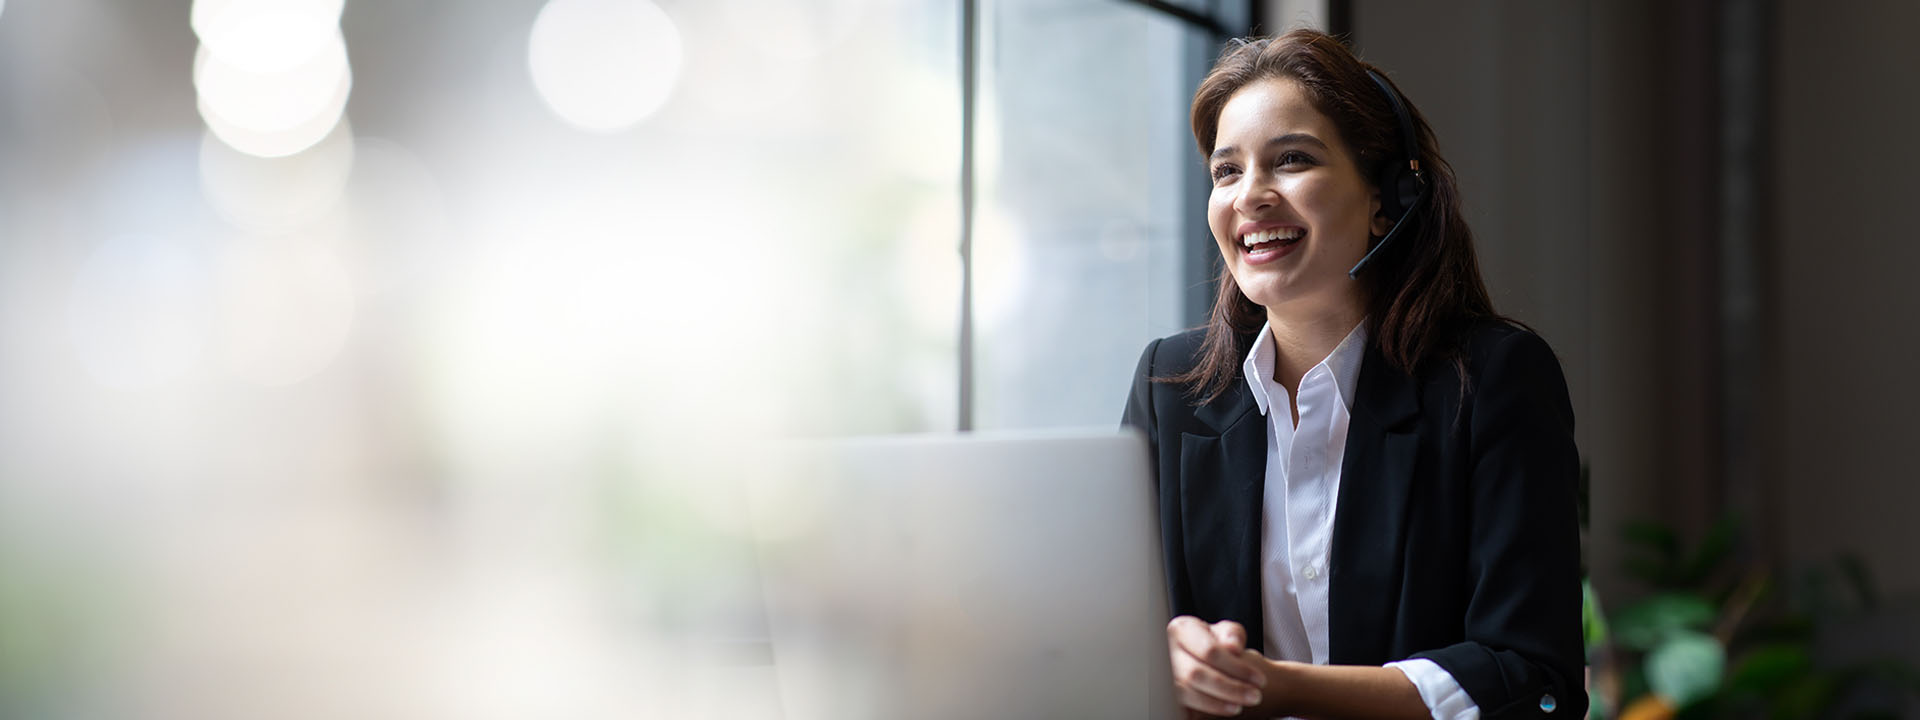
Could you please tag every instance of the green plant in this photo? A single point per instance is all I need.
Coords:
(1717, 638)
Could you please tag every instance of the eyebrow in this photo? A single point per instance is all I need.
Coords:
(1288, 138)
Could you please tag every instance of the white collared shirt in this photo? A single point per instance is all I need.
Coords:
(1296, 533)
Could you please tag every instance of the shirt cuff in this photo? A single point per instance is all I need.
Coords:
(1442, 694)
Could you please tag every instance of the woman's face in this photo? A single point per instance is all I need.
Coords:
(1290, 208)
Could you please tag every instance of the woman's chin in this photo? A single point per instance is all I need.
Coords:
(1266, 294)
(1285, 297)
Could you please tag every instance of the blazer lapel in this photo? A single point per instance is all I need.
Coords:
(1369, 524)
(1221, 501)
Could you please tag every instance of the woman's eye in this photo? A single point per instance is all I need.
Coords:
(1295, 157)
(1223, 172)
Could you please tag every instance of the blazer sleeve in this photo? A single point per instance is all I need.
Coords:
(1142, 414)
(1523, 655)
(1139, 413)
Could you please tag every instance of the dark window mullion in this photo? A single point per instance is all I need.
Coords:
(969, 81)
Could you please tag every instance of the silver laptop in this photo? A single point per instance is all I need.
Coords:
(965, 576)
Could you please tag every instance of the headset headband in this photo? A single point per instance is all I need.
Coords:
(1407, 144)
(1402, 189)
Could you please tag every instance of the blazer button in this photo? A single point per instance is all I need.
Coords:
(1547, 704)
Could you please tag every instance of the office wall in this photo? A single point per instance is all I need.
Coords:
(1844, 256)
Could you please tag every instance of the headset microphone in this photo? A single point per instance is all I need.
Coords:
(1402, 187)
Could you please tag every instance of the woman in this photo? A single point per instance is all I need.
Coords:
(1366, 476)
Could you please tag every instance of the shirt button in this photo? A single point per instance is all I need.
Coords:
(1547, 704)
(1312, 572)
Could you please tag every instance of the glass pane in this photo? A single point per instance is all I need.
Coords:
(1084, 157)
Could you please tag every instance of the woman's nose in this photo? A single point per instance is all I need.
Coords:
(1257, 192)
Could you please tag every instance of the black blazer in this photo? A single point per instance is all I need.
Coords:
(1455, 536)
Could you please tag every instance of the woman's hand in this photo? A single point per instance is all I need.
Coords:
(1213, 670)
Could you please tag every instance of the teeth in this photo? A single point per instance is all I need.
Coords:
(1254, 238)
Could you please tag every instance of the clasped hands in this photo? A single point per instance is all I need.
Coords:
(1213, 671)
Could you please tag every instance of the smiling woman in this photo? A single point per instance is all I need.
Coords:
(1401, 540)
(1274, 181)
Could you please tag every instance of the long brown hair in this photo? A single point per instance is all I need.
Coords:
(1422, 293)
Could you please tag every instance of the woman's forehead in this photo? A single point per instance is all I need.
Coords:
(1267, 108)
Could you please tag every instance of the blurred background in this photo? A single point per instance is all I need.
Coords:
(403, 358)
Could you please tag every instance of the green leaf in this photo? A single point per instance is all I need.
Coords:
(1593, 622)
(1650, 622)
(1767, 669)
(1686, 668)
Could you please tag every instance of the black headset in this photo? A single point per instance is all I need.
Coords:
(1402, 187)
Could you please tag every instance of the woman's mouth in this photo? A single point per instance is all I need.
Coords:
(1265, 246)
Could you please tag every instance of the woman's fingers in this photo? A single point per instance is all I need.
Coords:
(1201, 641)
(1233, 639)
(1214, 671)
(1230, 633)
(1212, 681)
(1204, 689)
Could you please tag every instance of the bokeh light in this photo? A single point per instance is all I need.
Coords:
(278, 113)
(266, 36)
(604, 65)
(272, 76)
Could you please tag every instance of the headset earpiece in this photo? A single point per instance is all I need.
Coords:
(1399, 189)
(1411, 187)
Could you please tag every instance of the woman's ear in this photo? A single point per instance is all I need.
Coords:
(1379, 225)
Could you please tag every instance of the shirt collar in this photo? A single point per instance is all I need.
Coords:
(1343, 363)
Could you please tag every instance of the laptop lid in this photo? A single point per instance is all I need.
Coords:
(965, 576)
